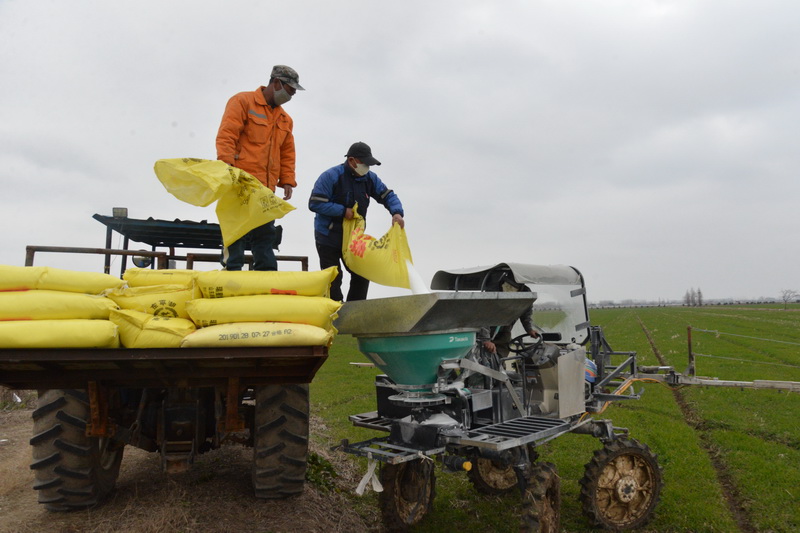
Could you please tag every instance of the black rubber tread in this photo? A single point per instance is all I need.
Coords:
(492, 478)
(609, 469)
(78, 395)
(47, 434)
(280, 444)
(57, 499)
(72, 471)
(49, 408)
(72, 420)
(77, 474)
(541, 504)
(49, 484)
(408, 492)
(45, 462)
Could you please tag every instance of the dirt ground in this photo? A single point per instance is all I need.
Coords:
(214, 496)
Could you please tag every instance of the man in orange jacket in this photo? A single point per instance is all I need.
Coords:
(256, 136)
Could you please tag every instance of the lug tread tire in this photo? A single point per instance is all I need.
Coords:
(280, 444)
(492, 478)
(541, 506)
(609, 475)
(72, 471)
(408, 492)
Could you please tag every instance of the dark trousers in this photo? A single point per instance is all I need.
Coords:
(332, 256)
(262, 241)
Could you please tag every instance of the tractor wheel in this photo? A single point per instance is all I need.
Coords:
(408, 491)
(491, 477)
(280, 441)
(621, 485)
(541, 505)
(72, 471)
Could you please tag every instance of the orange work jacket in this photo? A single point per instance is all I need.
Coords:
(258, 139)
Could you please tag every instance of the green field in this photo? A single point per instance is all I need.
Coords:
(730, 458)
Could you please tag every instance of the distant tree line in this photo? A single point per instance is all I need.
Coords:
(693, 298)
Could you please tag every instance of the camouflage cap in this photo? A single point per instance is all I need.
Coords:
(288, 75)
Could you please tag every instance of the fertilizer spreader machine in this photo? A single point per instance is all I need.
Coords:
(443, 397)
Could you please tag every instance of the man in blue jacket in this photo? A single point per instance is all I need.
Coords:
(333, 198)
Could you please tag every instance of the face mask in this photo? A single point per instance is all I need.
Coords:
(361, 169)
(282, 96)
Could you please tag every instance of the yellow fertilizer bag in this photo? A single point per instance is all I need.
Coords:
(380, 260)
(246, 206)
(251, 334)
(143, 277)
(70, 333)
(15, 278)
(53, 305)
(224, 284)
(199, 182)
(143, 330)
(313, 310)
(243, 202)
(159, 300)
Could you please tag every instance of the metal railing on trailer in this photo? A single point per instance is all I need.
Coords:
(170, 234)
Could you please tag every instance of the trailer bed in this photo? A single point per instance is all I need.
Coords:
(158, 367)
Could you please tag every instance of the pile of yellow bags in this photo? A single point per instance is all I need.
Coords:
(44, 307)
(152, 310)
(245, 308)
(263, 309)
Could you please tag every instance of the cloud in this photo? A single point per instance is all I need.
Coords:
(650, 143)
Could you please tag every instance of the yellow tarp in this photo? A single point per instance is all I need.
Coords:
(243, 203)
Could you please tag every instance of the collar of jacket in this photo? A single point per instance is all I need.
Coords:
(260, 100)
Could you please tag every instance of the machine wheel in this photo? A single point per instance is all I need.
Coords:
(72, 471)
(491, 477)
(408, 491)
(280, 441)
(541, 505)
(621, 485)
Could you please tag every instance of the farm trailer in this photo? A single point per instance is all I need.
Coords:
(178, 402)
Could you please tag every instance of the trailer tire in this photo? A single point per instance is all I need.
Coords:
(621, 485)
(492, 477)
(541, 503)
(72, 471)
(280, 441)
(408, 492)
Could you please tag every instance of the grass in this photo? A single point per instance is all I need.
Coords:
(751, 436)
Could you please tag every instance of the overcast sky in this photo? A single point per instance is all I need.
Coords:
(653, 145)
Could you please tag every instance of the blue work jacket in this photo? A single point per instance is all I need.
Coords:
(339, 188)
